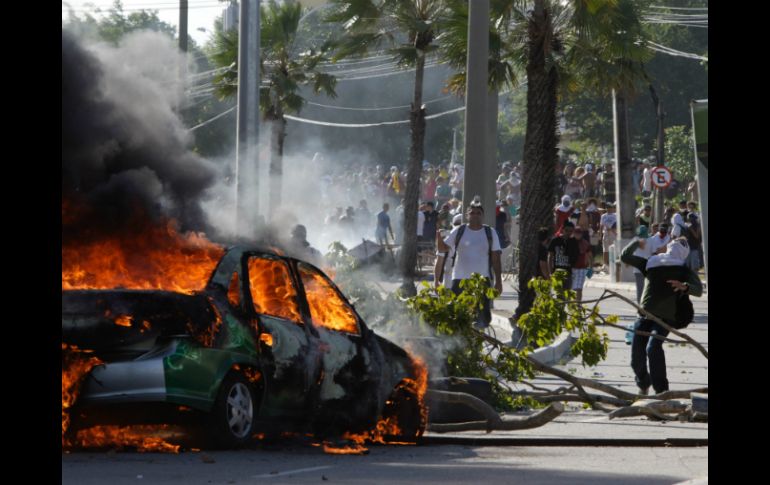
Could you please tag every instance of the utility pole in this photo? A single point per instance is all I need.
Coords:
(247, 142)
(624, 182)
(183, 25)
(661, 153)
(476, 101)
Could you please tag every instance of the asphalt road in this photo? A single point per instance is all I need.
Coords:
(395, 464)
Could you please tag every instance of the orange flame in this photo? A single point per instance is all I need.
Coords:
(156, 258)
(326, 308)
(388, 427)
(75, 367)
(267, 339)
(354, 449)
(253, 375)
(124, 320)
(142, 437)
(272, 290)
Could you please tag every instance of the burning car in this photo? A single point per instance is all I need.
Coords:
(269, 344)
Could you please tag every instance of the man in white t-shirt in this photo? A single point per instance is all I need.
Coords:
(477, 251)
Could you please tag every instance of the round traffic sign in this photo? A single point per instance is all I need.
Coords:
(662, 177)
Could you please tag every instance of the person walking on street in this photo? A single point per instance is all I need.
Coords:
(666, 279)
(383, 226)
(477, 250)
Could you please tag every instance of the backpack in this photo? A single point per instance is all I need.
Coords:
(487, 230)
(685, 313)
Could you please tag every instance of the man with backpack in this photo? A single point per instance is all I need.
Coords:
(477, 250)
(668, 282)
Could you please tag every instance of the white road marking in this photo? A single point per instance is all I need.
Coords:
(291, 472)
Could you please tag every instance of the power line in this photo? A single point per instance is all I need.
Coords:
(368, 125)
(212, 119)
(377, 109)
(678, 8)
(673, 52)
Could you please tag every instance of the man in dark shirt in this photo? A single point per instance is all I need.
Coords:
(431, 223)
(557, 253)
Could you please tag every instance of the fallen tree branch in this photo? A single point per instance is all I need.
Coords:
(573, 398)
(577, 381)
(652, 408)
(534, 421)
(493, 419)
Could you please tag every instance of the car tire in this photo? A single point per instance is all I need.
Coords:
(404, 406)
(231, 421)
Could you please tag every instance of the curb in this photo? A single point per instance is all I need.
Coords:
(433, 438)
(551, 354)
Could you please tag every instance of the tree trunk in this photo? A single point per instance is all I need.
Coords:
(540, 152)
(277, 136)
(416, 155)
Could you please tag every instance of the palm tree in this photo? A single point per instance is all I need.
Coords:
(407, 30)
(284, 70)
(567, 42)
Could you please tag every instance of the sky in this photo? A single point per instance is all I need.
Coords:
(201, 13)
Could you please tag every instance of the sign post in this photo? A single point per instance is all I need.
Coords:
(700, 125)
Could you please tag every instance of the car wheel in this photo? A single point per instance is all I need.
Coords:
(231, 422)
(404, 408)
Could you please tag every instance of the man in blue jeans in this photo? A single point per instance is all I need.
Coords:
(665, 276)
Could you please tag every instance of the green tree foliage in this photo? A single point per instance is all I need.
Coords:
(114, 23)
(453, 315)
(680, 157)
(677, 80)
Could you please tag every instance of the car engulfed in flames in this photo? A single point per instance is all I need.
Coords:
(265, 344)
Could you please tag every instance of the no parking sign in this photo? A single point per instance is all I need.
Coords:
(662, 177)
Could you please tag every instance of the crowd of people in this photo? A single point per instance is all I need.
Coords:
(587, 211)
(584, 212)
(665, 256)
